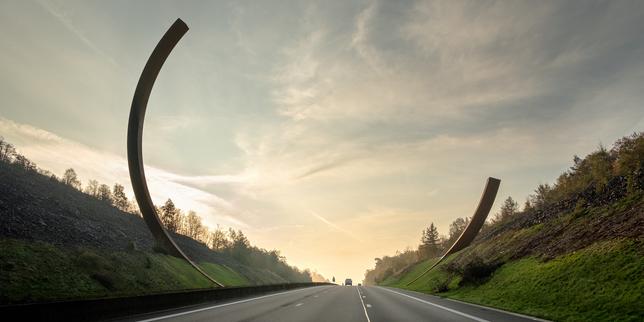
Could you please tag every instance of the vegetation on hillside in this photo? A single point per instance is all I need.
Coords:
(58, 220)
(573, 254)
(82, 272)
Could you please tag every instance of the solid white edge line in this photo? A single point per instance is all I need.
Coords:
(499, 310)
(438, 306)
(219, 305)
(363, 307)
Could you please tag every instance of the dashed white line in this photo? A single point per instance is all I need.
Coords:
(217, 306)
(438, 306)
(299, 304)
(363, 306)
(368, 305)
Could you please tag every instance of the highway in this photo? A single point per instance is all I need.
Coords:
(337, 304)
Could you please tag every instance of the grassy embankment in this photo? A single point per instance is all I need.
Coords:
(599, 283)
(36, 271)
(602, 281)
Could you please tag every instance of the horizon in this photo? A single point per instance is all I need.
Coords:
(324, 141)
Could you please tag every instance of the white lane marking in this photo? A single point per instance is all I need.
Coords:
(368, 305)
(315, 296)
(218, 306)
(438, 306)
(501, 311)
(299, 304)
(363, 307)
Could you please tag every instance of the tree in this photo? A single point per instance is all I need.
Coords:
(70, 178)
(508, 209)
(92, 188)
(629, 162)
(119, 198)
(430, 241)
(238, 239)
(133, 208)
(7, 151)
(457, 227)
(170, 216)
(527, 206)
(218, 239)
(194, 227)
(239, 246)
(104, 193)
(23, 162)
(541, 196)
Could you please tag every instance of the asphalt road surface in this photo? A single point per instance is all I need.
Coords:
(338, 304)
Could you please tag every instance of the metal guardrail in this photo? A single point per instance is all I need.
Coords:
(102, 309)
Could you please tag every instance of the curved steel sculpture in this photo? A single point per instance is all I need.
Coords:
(134, 142)
(477, 221)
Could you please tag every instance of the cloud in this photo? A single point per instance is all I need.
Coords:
(335, 227)
(64, 19)
(56, 154)
(382, 115)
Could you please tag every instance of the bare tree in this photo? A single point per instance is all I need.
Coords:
(7, 151)
(23, 162)
(194, 227)
(104, 193)
(70, 178)
(218, 239)
(92, 188)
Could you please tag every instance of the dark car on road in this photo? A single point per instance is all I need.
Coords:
(348, 281)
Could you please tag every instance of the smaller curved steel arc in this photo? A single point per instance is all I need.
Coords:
(135, 136)
(475, 225)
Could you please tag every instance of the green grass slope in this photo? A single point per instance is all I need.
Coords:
(602, 282)
(585, 264)
(38, 271)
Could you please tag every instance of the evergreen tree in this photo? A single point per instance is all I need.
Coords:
(508, 209)
(169, 216)
(119, 198)
(430, 241)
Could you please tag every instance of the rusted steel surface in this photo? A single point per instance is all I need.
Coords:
(135, 136)
(477, 221)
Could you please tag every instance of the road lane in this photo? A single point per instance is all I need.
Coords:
(322, 303)
(392, 304)
(338, 304)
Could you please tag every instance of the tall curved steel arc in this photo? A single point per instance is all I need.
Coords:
(135, 136)
(477, 221)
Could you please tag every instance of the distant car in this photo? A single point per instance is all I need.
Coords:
(348, 281)
(359, 284)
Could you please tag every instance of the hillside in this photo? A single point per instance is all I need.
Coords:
(575, 253)
(59, 242)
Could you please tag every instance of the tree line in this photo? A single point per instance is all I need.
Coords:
(625, 160)
(231, 242)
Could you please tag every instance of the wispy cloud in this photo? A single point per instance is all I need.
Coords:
(336, 227)
(56, 154)
(64, 19)
(365, 111)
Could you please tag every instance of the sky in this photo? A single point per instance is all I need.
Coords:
(334, 131)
